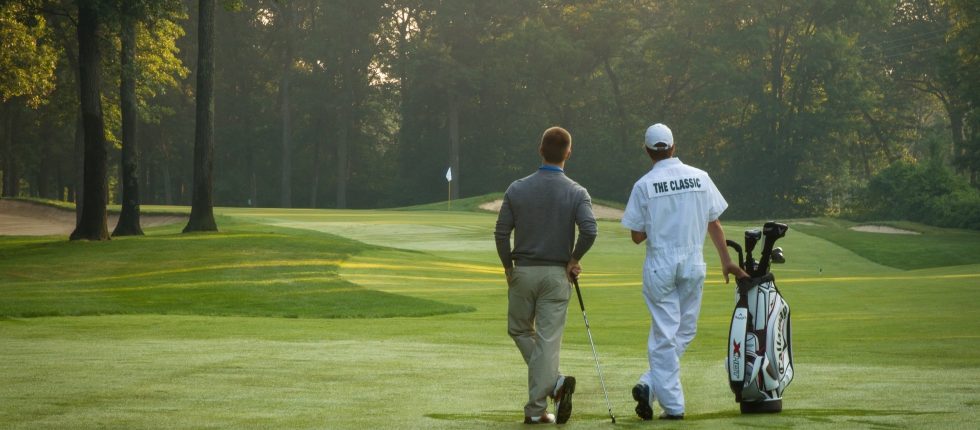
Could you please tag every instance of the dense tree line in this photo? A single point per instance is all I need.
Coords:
(794, 106)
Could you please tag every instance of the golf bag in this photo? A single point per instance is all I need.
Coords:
(760, 353)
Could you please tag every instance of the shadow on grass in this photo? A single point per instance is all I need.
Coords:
(252, 270)
(760, 420)
(821, 416)
(515, 417)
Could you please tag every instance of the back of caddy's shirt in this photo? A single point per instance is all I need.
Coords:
(673, 204)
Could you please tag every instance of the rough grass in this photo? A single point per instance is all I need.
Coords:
(933, 247)
(875, 346)
(243, 270)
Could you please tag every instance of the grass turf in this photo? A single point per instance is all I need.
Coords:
(246, 270)
(876, 347)
(932, 247)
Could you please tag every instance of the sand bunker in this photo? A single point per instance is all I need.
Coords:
(882, 229)
(600, 211)
(20, 218)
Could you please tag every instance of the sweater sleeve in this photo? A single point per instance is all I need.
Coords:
(587, 227)
(501, 234)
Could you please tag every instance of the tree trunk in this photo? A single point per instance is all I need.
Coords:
(618, 97)
(10, 167)
(168, 184)
(147, 181)
(202, 205)
(6, 153)
(79, 168)
(453, 120)
(287, 147)
(315, 186)
(345, 122)
(286, 191)
(342, 158)
(253, 200)
(958, 147)
(129, 217)
(92, 225)
(78, 185)
(44, 173)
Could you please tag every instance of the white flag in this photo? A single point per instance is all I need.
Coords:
(449, 175)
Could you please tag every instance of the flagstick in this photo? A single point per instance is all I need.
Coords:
(450, 201)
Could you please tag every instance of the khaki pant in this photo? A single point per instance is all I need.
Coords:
(537, 306)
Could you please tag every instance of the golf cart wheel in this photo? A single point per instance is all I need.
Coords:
(764, 407)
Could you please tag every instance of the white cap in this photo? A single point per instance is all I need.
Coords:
(658, 133)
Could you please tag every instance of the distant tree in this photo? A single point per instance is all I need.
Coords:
(142, 75)
(925, 49)
(202, 202)
(27, 66)
(351, 27)
(286, 26)
(965, 36)
(129, 217)
(92, 225)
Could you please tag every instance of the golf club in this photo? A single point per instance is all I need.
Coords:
(588, 330)
(738, 248)
(751, 238)
(773, 231)
(777, 255)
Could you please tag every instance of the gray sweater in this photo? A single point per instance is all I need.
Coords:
(543, 210)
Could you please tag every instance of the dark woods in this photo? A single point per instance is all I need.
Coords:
(795, 107)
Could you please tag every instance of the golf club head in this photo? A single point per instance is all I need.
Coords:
(777, 255)
(774, 229)
(752, 237)
(751, 265)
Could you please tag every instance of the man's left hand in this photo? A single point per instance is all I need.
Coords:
(733, 269)
(573, 269)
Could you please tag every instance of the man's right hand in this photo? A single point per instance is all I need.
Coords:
(509, 272)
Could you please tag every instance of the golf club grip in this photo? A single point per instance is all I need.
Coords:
(578, 292)
(738, 249)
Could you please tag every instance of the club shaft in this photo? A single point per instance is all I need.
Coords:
(598, 369)
(595, 355)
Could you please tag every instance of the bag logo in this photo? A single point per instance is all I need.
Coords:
(737, 349)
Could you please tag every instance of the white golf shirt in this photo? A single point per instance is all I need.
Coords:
(672, 204)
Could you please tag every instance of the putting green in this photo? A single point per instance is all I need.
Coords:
(875, 346)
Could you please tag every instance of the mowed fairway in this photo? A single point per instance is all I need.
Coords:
(396, 319)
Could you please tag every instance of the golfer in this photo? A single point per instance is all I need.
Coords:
(671, 207)
(542, 210)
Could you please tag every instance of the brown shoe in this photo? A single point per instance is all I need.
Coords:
(545, 418)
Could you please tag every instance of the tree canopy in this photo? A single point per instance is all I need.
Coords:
(793, 107)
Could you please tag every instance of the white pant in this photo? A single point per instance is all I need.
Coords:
(672, 291)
